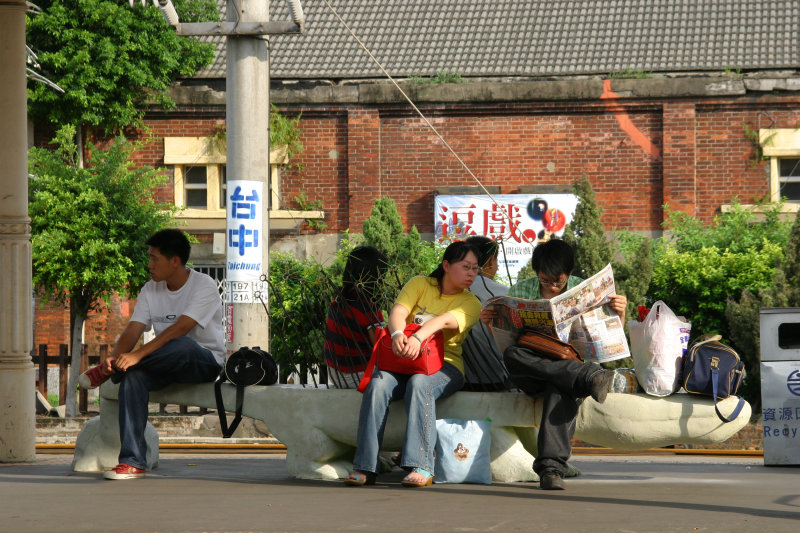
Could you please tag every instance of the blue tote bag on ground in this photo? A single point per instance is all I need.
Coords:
(462, 451)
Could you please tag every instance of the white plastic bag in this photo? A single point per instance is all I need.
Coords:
(462, 451)
(657, 346)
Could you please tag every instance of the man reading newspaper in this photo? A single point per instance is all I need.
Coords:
(562, 383)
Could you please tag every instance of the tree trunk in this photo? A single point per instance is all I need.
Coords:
(76, 340)
(79, 144)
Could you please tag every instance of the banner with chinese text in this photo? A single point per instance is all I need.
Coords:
(530, 218)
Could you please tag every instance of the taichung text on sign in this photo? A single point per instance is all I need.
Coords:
(245, 240)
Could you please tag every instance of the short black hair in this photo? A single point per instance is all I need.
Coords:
(487, 247)
(553, 258)
(171, 242)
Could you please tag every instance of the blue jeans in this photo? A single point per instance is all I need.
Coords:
(563, 386)
(181, 360)
(420, 393)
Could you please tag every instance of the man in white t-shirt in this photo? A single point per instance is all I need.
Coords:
(483, 363)
(184, 308)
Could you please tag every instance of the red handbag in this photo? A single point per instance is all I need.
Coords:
(429, 361)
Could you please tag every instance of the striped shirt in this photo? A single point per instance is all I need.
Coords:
(347, 347)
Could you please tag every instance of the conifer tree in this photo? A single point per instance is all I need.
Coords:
(407, 253)
(585, 233)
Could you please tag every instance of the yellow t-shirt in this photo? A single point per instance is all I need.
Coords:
(422, 299)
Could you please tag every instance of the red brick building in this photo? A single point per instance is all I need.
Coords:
(655, 103)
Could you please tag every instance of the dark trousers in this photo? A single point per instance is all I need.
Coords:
(563, 386)
(181, 360)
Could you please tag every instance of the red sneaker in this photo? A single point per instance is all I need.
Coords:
(124, 471)
(94, 377)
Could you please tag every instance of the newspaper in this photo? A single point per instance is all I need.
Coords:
(579, 316)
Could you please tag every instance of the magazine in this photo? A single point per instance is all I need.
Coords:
(579, 316)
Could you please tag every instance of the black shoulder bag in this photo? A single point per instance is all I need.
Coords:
(244, 367)
(713, 369)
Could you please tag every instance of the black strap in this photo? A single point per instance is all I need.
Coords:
(714, 381)
(223, 417)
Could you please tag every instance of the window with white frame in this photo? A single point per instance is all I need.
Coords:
(200, 183)
(782, 147)
(789, 178)
(200, 187)
(198, 175)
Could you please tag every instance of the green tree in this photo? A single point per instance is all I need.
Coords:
(89, 227)
(743, 316)
(630, 256)
(586, 234)
(384, 229)
(407, 253)
(110, 59)
(698, 267)
(634, 271)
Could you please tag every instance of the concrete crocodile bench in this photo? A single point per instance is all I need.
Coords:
(318, 425)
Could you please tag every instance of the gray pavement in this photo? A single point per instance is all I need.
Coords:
(252, 492)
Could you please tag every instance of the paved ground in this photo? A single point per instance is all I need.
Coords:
(204, 493)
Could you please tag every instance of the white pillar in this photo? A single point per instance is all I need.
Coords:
(247, 139)
(17, 382)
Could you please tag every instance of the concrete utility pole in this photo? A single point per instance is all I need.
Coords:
(17, 381)
(247, 120)
(248, 188)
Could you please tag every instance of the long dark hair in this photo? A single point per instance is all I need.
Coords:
(454, 253)
(363, 271)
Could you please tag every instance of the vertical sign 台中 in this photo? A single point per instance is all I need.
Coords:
(245, 240)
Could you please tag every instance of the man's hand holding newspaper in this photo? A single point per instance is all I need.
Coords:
(580, 316)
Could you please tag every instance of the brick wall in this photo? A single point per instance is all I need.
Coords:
(323, 166)
(638, 154)
(703, 158)
(103, 326)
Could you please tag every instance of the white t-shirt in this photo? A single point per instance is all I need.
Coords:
(485, 288)
(198, 299)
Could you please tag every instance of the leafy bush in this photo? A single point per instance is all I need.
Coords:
(737, 230)
(711, 274)
(698, 267)
(300, 291)
(698, 283)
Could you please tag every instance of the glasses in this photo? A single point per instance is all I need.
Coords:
(467, 268)
(551, 283)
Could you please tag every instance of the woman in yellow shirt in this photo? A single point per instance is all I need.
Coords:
(437, 302)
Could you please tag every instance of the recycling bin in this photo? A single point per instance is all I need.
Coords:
(780, 385)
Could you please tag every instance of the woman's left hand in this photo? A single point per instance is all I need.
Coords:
(411, 348)
(618, 303)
